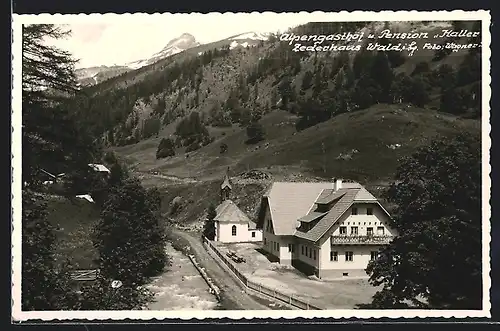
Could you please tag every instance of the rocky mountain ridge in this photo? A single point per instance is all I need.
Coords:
(95, 75)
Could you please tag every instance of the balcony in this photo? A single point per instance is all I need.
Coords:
(361, 240)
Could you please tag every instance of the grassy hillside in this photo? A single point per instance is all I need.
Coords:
(361, 145)
(374, 133)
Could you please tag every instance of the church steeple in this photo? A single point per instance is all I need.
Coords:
(225, 188)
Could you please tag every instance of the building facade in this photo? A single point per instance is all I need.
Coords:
(325, 229)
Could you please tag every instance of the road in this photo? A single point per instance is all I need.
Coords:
(231, 289)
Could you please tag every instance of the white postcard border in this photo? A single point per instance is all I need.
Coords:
(19, 315)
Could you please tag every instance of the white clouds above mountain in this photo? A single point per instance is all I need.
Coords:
(124, 39)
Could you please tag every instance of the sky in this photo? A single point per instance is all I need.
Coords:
(121, 40)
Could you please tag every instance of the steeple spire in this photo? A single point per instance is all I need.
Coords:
(225, 187)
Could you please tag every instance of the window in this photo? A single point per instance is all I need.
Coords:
(380, 230)
(290, 248)
(349, 256)
(265, 242)
(310, 253)
(306, 250)
(343, 230)
(355, 211)
(302, 249)
(354, 230)
(314, 254)
(233, 230)
(369, 211)
(373, 255)
(334, 256)
(369, 231)
(253, 234)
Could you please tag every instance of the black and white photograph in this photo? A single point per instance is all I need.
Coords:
(251, 165)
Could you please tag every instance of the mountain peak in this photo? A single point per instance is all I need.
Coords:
(184, 41)
(186, 35)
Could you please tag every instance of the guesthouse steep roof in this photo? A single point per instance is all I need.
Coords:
(289, 201)
(293, 203)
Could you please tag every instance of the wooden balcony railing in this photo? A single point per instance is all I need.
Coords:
(361, 240)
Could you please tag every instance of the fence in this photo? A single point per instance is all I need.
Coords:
(260, 288)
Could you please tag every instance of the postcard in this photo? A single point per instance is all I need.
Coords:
(251, 165)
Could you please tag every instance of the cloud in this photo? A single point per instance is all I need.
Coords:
(128, 38)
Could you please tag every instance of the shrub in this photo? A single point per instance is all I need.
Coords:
(166, 148)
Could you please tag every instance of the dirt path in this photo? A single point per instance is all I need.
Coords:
(231, 289)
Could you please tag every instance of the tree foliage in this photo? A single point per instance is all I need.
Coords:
(52, 143)
(102, 296)
(223, 148)
(166, 148)
(435, 261)
(130, 236)
(130, 240)
(255, 132)
(45, 285)
(192, 132)
(48, 84)
(209, 228)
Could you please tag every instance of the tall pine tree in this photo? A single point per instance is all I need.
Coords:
(49, 82)
(52, 142)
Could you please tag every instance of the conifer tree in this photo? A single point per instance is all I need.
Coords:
(45, 285)
(165, 148)
(48, 84)
(209, 228)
